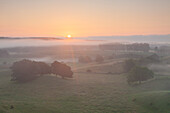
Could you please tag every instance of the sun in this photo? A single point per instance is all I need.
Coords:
(69, 36)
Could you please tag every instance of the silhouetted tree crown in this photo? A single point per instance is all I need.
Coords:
(61, 69)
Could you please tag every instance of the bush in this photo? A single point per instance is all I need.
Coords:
(138, 74)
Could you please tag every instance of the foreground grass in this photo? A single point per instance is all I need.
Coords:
(86, 93)
(154, 101)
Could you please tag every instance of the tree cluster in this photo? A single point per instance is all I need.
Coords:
(26, 70)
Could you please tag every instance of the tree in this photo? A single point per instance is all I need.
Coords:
(138, 74)
(99, 59)
(23, 71)
(61, 69)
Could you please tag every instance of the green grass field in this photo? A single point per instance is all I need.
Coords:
(85, 93)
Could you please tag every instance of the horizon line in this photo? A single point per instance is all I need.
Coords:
(79, 36)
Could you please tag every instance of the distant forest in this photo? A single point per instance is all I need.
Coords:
(126, 47)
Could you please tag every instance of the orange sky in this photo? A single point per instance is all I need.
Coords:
(81, 18)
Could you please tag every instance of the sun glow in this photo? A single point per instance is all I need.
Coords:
(69, 36)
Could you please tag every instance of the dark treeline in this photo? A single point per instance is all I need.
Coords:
(26, 70)
(126, 47)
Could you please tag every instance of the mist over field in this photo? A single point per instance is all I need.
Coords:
(91, 40)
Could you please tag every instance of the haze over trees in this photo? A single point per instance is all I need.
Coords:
(139, 74)
(144, 47)
(135, 71)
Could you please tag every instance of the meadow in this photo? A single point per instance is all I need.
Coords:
(88, 92)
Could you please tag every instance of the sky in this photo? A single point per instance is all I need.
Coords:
(83, 18)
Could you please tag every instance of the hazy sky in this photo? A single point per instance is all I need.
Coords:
(84, 17)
